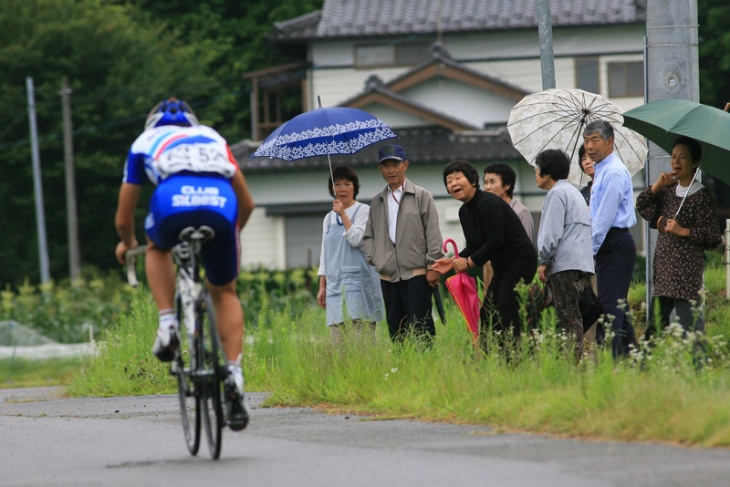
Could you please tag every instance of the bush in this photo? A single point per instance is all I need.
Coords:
(261, 291)
(68, 313)
(72, 313)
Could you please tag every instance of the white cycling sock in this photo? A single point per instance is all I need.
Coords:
(168, 319)
(235, 363)
(237, 373)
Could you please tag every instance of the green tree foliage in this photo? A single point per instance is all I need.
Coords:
(121, 57)
(714, 18)
(714, 53)
(234, 33)
(118, 66)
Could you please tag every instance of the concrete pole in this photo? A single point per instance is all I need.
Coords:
(545, 30)
(672, 72)
(37, 186)
(74, 252)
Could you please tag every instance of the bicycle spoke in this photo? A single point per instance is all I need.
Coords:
(213, 365)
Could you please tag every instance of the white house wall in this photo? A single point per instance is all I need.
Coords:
(513, 57)
(332, 53)
(462, 101)
(498, 45)
(262, 240)
(337, 85)
(575, 41)
(395, 118)
(267, 188)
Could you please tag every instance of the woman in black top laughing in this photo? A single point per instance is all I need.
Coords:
(493, 233)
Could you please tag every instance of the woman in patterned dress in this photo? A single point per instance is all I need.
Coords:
(679, 259)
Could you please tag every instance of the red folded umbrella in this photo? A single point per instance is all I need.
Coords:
(463, 288)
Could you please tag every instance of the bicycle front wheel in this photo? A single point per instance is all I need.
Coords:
(214, 365)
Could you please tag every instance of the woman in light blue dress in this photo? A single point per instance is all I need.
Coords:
(349, 287)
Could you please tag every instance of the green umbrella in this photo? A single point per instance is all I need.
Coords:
(664, 121)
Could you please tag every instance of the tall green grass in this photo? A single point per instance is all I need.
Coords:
(662, 393)
(542, 390)
(125, 365)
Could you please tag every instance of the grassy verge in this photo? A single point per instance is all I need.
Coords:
(539, 390)
(658, 395)
(125, 366)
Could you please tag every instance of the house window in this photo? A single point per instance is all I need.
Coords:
(392, 54)
(303, 240)
(625, 79)
(586, 74)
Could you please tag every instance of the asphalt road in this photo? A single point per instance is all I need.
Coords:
(46, 440)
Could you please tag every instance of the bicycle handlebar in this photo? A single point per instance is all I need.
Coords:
(130, 257)
(188, 234)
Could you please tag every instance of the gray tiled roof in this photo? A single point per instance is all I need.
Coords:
(356, 18)
(304, 27)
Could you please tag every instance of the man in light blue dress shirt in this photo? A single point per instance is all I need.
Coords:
(612, 215)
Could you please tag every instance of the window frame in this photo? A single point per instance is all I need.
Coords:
(399, 55)
(597, 74)
(626, 90)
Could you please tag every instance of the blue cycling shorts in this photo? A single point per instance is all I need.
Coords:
(185, 200)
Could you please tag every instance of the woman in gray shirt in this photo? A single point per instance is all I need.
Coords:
(563, 240)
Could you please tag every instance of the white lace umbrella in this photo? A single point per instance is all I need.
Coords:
(555, 119)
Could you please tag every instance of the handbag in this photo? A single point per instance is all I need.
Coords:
(539, 297)
(590, 307)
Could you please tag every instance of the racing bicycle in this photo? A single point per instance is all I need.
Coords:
(198, 365)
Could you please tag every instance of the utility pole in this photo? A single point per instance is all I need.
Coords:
(37, 186)
(672, 72)
(74, 252)
(547, 57)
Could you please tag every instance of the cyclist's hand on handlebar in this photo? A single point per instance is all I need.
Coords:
(122, 249)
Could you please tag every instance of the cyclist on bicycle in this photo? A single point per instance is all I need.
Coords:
(198, 183)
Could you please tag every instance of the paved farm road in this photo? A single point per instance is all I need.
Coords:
(137, 441)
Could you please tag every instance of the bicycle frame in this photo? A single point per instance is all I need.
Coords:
(199, 380)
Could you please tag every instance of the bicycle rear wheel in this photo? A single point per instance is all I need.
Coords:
(214, 366)
(188, 393)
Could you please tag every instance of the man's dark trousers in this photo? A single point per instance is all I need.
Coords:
(408, 308)
(614, 269)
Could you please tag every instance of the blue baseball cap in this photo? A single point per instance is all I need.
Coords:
(391, 152)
